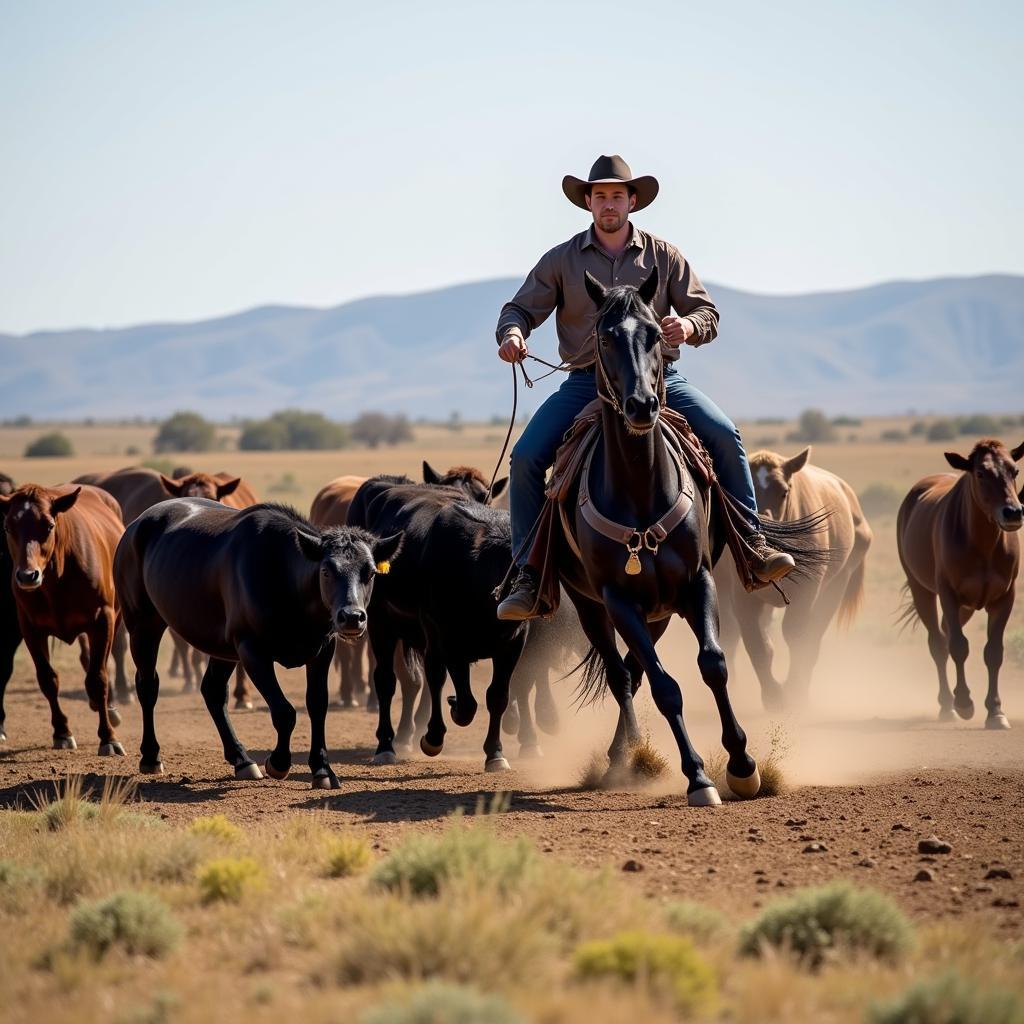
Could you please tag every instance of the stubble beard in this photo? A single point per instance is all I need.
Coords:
(611, 222)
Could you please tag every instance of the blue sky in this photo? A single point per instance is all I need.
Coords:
(182, 160)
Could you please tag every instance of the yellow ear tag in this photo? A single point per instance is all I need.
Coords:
(383, 568)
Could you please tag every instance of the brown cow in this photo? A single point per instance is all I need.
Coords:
(956, 537)
(791, 489)
(62, 543)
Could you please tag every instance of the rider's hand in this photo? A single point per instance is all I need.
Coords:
(676, 330)
(513, 347)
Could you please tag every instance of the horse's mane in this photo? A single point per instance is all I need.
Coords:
(390, 478)
(624, 300)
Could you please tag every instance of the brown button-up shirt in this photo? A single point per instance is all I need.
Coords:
(557, 285)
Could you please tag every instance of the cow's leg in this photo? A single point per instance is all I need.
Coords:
(214, 689)
(49, 684)
(382, 643)
(372, 701)
(241, 693)
(317, 698)
(101, 637)
(432, 741)
(282, 714)
(503, 666)
(10, 637)
(702, 615)
(998, 616)
(938, 645)
(632, 627)
(144, 641)
(410, 679)
(953, 618)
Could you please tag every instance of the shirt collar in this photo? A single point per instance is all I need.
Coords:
(588, 238)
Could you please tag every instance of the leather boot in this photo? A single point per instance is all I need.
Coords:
(522, 599)
(766, 563)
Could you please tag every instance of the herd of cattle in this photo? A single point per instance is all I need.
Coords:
(402, 574)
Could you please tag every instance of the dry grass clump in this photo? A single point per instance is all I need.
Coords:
(136, 922)
(218, 828)
(347, 855)
(440, 1003)
(645, 761)
(773, 779)
(229, 879)
(644, 764)
(667, 964)
(817, 924)
(696, 920)
(72, 804)
(19, 885)
(593, 772)
(949, 999)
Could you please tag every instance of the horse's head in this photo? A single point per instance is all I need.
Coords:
(30, 520)
(992, 479)
(629, 361)
(773, 474)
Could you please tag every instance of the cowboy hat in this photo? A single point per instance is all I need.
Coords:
(608, 169)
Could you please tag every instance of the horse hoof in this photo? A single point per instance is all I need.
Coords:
(248, 771)
(3, 736)
(530, 751)
(429, 749)
(744, 788)
(385, 757)
(997, 721)
(270, 770)
(510, 722)
(156, 768)
(707, 797)
(946, 715)
(112, 749)
(323, 780)
(115, 716)
(462, 715)
(243, 705)
(497, 764)
(965, 711)
(64, 743)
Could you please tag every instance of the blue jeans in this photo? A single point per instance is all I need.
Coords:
(534, 452)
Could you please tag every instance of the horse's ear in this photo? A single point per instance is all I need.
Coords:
(649, 288)
(430, 475)
(595, 289)
(311, 547)
(499, 487)
(795, 464)
(228, 487)
(172, 487)
(64, 502)
(957, 461)
(1018, 453)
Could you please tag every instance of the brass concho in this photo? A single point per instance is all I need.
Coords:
(633, 546)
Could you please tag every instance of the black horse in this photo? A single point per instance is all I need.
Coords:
(634, 587)
(256, 586)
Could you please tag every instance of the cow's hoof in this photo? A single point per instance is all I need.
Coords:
(385, 757)
(64, 743)
(744, 788)
(154, 768)
(325, 780)
(115, 716)
(241, 704)
(429, 749)
(270, 770)
(706, 797)
(248, 771)
(530, 751)
(111, 749)
(997, 721)
(497, 764)
(946, 715)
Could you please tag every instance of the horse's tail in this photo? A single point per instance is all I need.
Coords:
(594, 682)
(907, 617)
(852, 596)
(802, 539)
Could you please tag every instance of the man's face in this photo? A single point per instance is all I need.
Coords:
(610, 206)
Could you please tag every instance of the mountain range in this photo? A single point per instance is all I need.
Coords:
(942, 345)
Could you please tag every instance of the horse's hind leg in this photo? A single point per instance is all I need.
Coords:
(241, 692)
(938, 645)
(214, 689)
(998, 616)
(144, 639)
(702, 615)
(185, 657)
(754, 619)
(119, 648)
(954, 617)
(101, 635)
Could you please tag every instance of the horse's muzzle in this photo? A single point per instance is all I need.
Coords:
(1011, 518)
(641, 413)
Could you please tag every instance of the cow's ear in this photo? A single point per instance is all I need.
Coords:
(595, 289)
(228, 487)
(649, 288)
(64, 502)
(172, 487)
(384, 551)
(795, 464)
(430, 475)
(499, 487)
(1018, 453)
(311, 547)
(957, 461)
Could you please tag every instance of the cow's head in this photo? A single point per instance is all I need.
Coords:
(30, 522)
(467, 479)
(992, 478)
(199, 485)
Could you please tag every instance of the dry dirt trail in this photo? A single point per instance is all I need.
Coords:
(871, 774)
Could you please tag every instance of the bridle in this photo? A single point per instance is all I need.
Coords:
(606, 392)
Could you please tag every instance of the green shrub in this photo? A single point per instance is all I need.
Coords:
(918, 427)
(18, 884)
(230, 878)
(137, 922)
(293, 430)
(949, 999)
(814, 924)
(979, 425)
(847, 421)
(440, 1003)
(813, 425)
(423, 865)
(893, 435)
(661, 962)
(1014, 645)
(217, 827)
(55, 445)
(696, 920)
(880, 499)
(347, 855)
(185, 432)
(942, 430)
(377, 428)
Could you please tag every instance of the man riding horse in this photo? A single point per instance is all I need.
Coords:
(615, 252)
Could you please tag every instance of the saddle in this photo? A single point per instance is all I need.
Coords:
(553, 527)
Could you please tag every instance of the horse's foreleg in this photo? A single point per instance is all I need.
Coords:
(803, 626)
(317, 698)
(119, 648)
(144, 640)
(953, 619)
(282, 714)
(998, 616)
(631, 625)
(97, 686)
